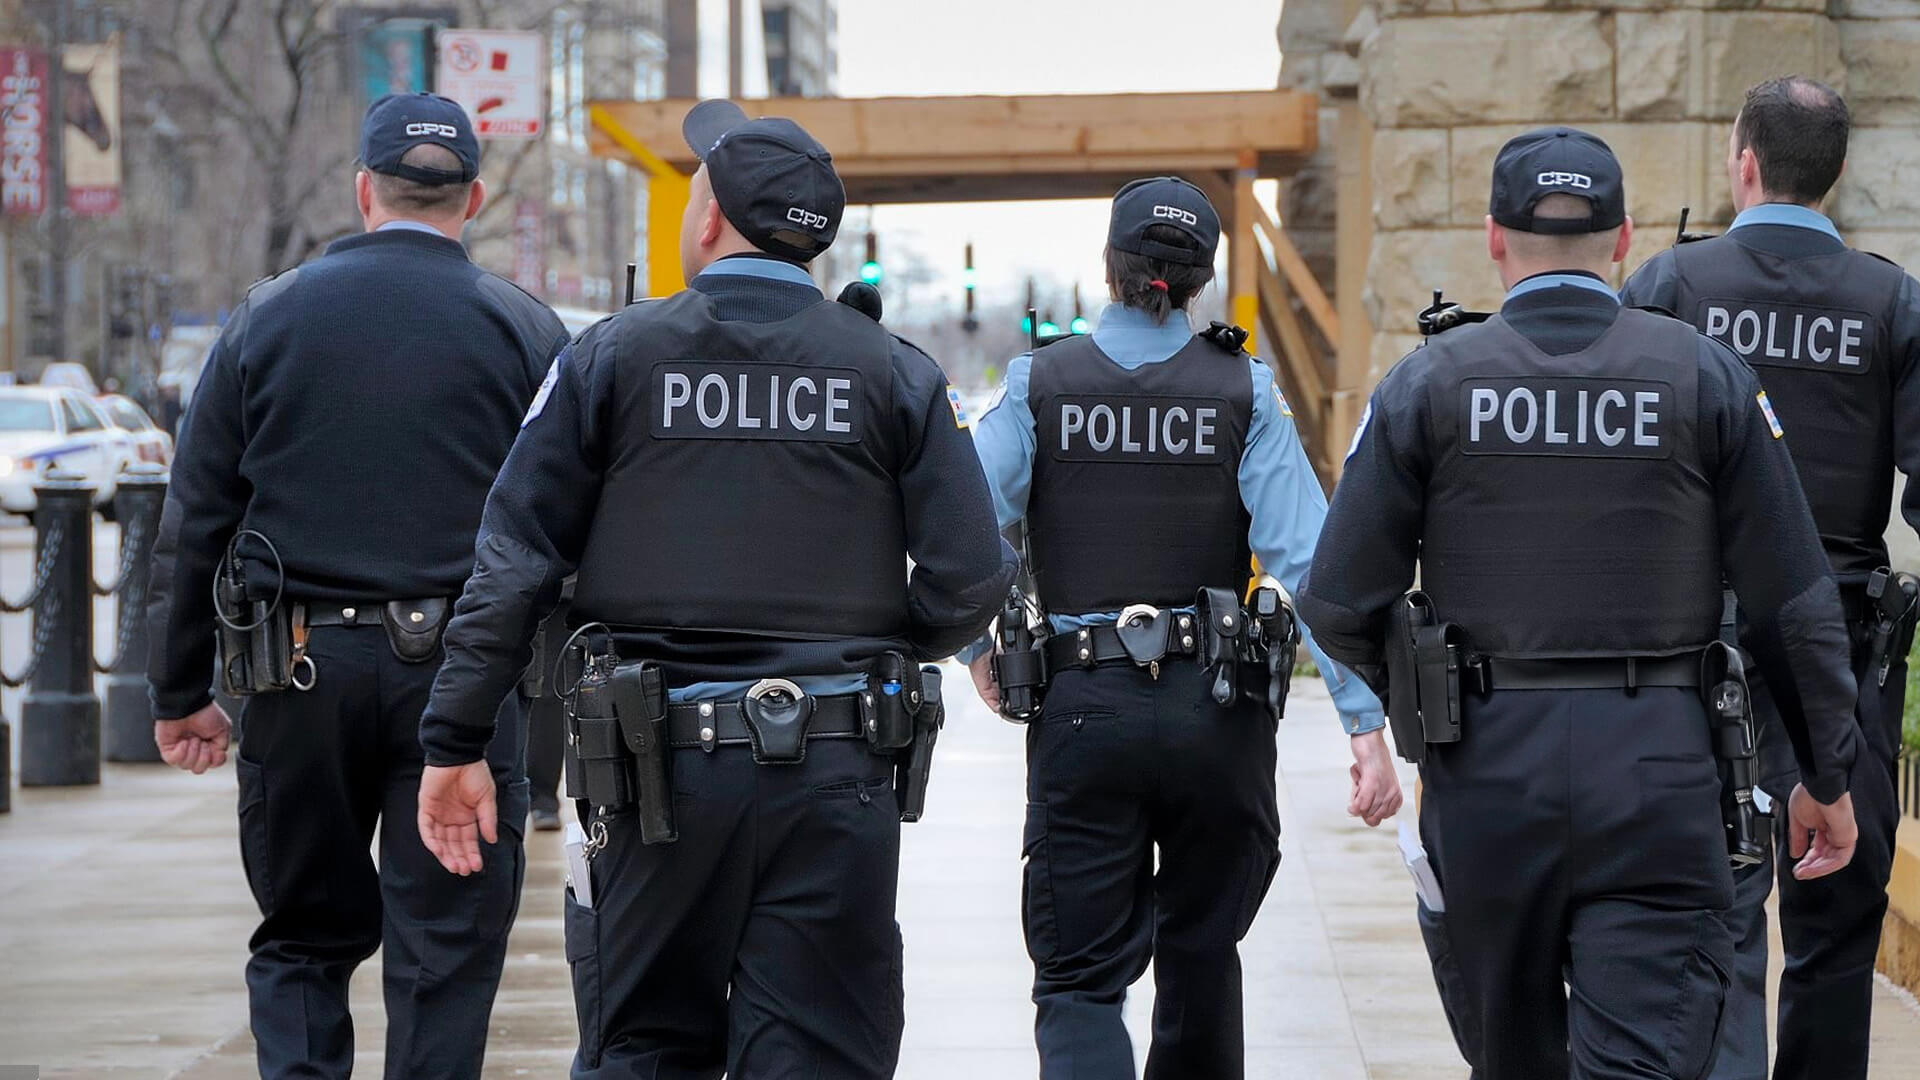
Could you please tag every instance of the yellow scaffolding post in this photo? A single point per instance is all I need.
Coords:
(1243, 253)
(667, 195)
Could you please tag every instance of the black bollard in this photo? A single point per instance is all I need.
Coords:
(60, 718)
(129, 716)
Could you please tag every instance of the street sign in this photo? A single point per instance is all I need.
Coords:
(23, 131)
(500, 76)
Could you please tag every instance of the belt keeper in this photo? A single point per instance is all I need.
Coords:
(709, 736)
(1086, 646)
(1633, 678)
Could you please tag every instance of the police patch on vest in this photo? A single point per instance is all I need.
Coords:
(1792, 335)
(1566, 416)
(779, 402)
(1169, 430)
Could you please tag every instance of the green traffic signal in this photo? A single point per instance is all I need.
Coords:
(1048, 329)
(1026, 324)
(1079, 325)
(871, 273)
(969, 279)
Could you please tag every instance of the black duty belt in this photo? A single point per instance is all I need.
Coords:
(708, 724)
(1095, 646)
(1609, 673)
(349, 613)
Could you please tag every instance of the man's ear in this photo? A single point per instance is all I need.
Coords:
(476, 199)
(1496, 241)
(363, 193)
(1621, 245)
(712, 223)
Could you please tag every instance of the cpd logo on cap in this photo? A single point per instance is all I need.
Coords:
(806, 219)
(445, 131)
(1564, 179)
(1186, 217)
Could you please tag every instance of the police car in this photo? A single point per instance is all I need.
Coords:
(45, 426)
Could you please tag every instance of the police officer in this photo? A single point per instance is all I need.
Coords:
(312, 448)
(1147, 463)
(1834, 334)
(739, 472)
(1573, 479)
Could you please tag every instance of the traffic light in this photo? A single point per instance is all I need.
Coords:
(969, 322)
(1079, 325)
(1049, 328)
(1026, 321)
(870, 271)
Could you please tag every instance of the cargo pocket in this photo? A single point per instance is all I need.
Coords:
(1699, 1007)
(255, 860)
(583, 958)
(1036, 887)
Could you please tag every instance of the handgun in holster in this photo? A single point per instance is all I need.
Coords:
(1723, 684)
(914, 767)
(639, 693)
(1427, 661)
(1896, 606)
(255, 637)
(1276, 640)
(1019, 666)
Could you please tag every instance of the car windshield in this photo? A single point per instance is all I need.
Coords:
(25, 414)
(127, 415)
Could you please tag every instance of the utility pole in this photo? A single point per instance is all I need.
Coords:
(57, 233)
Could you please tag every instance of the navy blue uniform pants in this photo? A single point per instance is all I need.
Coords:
(1119, 764)
(1579, 846)
(762, 942)
(318, 771)
(1829, 927)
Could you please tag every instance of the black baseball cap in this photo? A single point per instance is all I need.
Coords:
(1557, 161)
(399, 122)
(1164, 200)
(773, 181)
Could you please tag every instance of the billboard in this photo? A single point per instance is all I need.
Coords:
(23, 131)
(92, 105)
(500, 76)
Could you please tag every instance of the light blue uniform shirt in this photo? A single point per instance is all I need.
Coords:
(1785, 214)
(411, 226)
(1554, 281)
(1277, 484)
(775, 270)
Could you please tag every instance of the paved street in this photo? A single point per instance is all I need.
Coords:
(124, 918)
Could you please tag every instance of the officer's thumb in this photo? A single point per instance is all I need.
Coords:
(488, 816)
(862, 298)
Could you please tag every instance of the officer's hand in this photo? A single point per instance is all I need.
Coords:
(456, 813)
(1376, 787)
(982, 669)
(195, 743)
(1824, 833)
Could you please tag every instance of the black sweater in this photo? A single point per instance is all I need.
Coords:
(354, 411)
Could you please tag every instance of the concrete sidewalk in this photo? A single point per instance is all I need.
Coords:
(124, 919)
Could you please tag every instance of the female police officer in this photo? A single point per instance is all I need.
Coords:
(1147, 462)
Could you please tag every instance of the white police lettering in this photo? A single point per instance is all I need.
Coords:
(1580, 181)
(806, 219)
(445, 131)
(1789, 335)
(1154, 429)
(760, 401)
(1174, 213)
(1576, 417)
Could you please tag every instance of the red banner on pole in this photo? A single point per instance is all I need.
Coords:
(23, 131)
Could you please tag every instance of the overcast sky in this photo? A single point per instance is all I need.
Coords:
(901, 47)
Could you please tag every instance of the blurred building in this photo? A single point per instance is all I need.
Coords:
(803, 47)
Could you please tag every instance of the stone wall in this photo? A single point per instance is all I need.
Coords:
(1445, 82)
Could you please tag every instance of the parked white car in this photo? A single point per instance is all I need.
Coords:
(45, 426)
(150, 444)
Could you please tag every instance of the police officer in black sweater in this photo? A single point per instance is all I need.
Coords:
(1834, 334)
(739, 473)
(347, 427)
(1573, 480)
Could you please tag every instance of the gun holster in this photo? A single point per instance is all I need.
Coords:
(1426, 662)
(894, 696)
(1277, 642)
(639, 694)
(777, 713)
(413, 628)
(913, 768)
(1723, 685)
(1895, 599)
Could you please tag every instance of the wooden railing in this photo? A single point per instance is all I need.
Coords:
(1299, 332)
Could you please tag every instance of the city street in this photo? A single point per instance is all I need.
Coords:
(124, 919)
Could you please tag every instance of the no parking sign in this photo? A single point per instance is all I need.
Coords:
(499, 76)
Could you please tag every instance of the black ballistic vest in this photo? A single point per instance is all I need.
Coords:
(1816, 331)
(1568, 513)
(750, 478)
(1136, 476)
